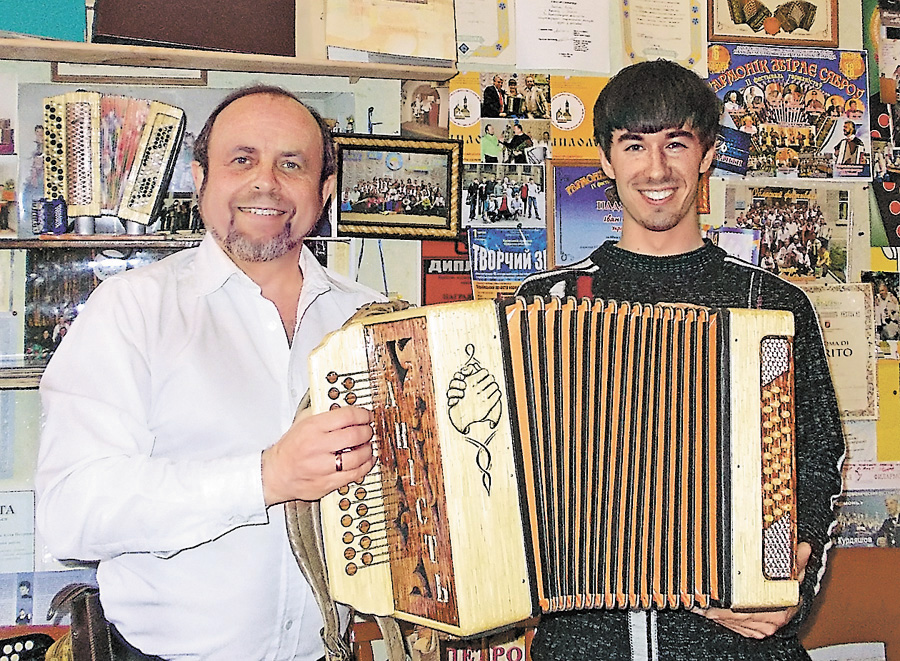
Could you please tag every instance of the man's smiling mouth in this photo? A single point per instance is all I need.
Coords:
(261, 212)
(658, 195)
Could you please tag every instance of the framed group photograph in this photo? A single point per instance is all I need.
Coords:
(396, 187)
(774, 22)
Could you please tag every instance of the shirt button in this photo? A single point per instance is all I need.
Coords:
(293, 392)
(288, 625)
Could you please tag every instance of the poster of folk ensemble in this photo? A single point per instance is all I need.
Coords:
(805, 109)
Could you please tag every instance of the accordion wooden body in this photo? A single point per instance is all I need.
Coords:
(107, 155)
(563, 454)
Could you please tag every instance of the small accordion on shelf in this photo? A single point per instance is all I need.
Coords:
(550, 455)
(108, 155)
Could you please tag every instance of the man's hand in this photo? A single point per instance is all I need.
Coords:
(759, 624)
(303, 464)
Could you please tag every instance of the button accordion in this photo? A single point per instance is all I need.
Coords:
(563, 454)
(108, 155)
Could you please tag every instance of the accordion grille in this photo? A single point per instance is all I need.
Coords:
(79, 157)
(621, 452)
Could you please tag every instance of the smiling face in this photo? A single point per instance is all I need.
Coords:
(893, 505)
(262, 191)
(657, 179)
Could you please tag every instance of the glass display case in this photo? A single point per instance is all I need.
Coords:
(45, 281)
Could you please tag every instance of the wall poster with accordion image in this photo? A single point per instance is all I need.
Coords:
(109, 155)
(549, 455)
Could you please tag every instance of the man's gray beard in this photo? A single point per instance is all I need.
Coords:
(248, 250)
(263, 250)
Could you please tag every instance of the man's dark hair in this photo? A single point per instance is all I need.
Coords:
(201, 145)
(649, 97)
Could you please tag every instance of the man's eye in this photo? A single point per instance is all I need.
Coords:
(241, 160)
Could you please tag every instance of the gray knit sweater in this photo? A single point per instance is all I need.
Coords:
(709, 277)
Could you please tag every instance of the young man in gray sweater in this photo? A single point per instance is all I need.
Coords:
(656, 125)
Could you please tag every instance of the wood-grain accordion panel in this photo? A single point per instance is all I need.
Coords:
(547, 455)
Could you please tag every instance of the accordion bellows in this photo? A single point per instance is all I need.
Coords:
(555, 455)
(110, 155)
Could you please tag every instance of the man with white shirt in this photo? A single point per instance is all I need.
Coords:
(169, 445)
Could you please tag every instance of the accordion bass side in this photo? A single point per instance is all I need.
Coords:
(110, 155)
(555, 455)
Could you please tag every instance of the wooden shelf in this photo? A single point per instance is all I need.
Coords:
(27, 48)
(104, 241)
(20, 378)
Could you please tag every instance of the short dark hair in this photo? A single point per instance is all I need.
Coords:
(201, 145)
(651, 96)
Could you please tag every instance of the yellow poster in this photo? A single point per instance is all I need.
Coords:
(422, 28)
(465, 113)
(572, 116)
(889, 410)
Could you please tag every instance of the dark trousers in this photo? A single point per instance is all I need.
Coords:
(125, 651)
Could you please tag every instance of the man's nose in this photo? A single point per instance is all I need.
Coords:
(265, 178)
(659, 163)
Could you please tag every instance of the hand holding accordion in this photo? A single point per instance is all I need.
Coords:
(587, 454)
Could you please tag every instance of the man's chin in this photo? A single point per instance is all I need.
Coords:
(259, 250)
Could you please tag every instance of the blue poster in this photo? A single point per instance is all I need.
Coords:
(586, 212)
(502, 257)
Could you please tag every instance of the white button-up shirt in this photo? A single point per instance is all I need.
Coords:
(157, 406)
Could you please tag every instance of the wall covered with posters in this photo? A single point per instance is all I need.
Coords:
(805, 185)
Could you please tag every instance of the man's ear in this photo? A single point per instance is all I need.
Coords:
(328, 187)
(608, 169)
(707, 159)
(197, 175)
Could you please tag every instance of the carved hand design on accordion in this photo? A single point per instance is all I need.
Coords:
(473, 397)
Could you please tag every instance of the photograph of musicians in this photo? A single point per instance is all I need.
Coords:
(514, 106)
(656, 125)
(517, 145)
(535, 101)
(889, 532)
(493, 99)
(490, 146)
(168, 445)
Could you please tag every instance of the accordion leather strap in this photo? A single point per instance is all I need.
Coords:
(302, 520)
(90, 637)
(305, 535)
(393, 638)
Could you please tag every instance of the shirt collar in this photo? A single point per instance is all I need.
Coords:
(213, 268)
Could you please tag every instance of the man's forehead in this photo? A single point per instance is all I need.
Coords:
(255, 109)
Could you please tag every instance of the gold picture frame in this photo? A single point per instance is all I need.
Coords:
(393, 187)
(774, 22)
